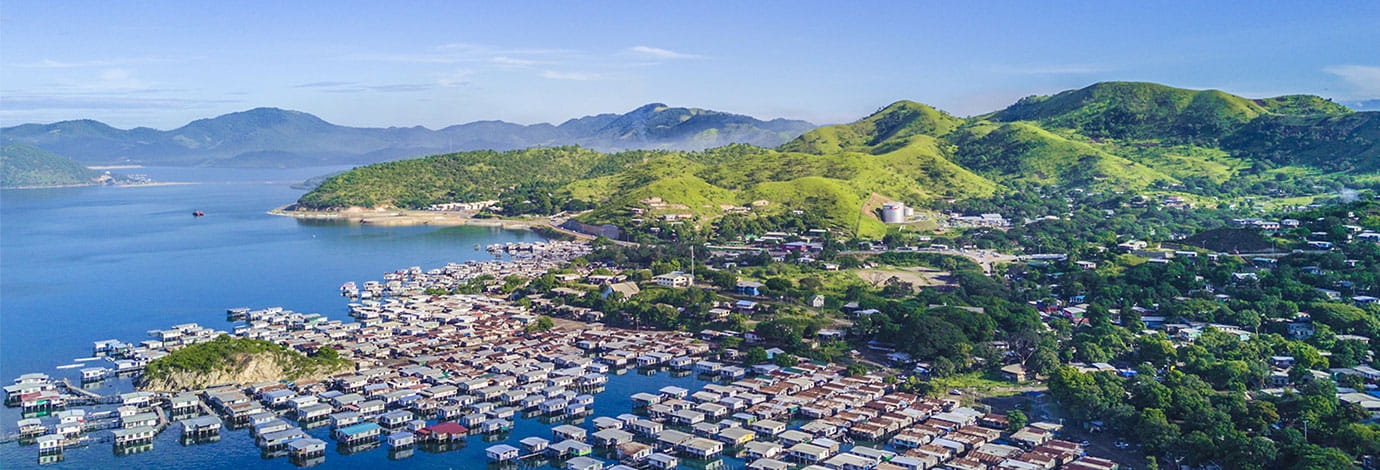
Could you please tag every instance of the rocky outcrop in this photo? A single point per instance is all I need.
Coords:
(241, 368)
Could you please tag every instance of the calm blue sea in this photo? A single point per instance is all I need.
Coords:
(84, 264)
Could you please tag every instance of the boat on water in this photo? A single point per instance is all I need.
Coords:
(198, 214)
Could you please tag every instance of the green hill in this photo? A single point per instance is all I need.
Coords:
(1329, 142)
(466, 176)
(1023, 151)
(24, 165)
(1108, 136)
(1136, 110)
(895, 123)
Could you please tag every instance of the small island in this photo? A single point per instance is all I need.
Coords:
(239, 360)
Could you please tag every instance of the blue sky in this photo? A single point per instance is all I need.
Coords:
(162, 64)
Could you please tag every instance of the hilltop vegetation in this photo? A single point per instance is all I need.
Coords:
(239, 360)
(25, 165)
(1115, 136)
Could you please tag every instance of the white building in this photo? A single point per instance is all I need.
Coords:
(894, 213)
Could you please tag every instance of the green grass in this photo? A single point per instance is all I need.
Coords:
(983, 382)
(1137, 110)
(896, 122)
(1108, 136)
(832, 281)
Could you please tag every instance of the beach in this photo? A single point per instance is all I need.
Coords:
(407, 217)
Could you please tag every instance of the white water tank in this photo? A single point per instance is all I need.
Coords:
(894, 213)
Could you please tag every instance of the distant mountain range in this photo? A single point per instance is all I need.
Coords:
(1121, 136)
(277, 138)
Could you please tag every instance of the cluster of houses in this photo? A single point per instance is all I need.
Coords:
(677, 213)
(463, 206)
(980, 220)
(461, 360)
(136, 418)
(528, 260)
(848, 423)
(1316, 240)
(1186, 332)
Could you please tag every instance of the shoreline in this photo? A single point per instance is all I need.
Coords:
(405, 217)
(130, 185)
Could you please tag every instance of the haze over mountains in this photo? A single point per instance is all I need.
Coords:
(277, 138)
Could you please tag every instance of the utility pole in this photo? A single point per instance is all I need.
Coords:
(692, 265)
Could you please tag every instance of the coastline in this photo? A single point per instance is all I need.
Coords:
(404, 217)
(131, 185)
(114, 167)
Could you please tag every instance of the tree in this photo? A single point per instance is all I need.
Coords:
(1248, 453)
(543, 323)
(1359, 439)
(1156, 350)
(778, 286)
(1312, 457)
(755, 356)
(1016, 419)
(1043, 360)
(855, 369)
(328, 353)
(784, 360)
(543, 283)
(1259, 415)
(1155, 431)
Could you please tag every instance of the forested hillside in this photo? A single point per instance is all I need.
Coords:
(1113, 136)
(26, 165)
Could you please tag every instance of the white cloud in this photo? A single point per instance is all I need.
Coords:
(554, 75)
(455, 79)
(505, 60)
(56, 64)
(658, 53)
(1364, 79)
(477, 54)
(107, 80)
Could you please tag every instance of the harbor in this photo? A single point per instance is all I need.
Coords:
(462, 377)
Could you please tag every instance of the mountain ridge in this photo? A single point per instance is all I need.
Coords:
(275, 137)
(1116, 136)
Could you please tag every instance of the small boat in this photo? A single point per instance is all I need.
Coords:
(198, 214)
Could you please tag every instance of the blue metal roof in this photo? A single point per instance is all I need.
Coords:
(358, 428)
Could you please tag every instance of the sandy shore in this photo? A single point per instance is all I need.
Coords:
(395, 218)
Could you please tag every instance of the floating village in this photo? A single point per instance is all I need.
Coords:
(442, 372)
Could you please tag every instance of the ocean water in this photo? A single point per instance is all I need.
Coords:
(79, 265)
